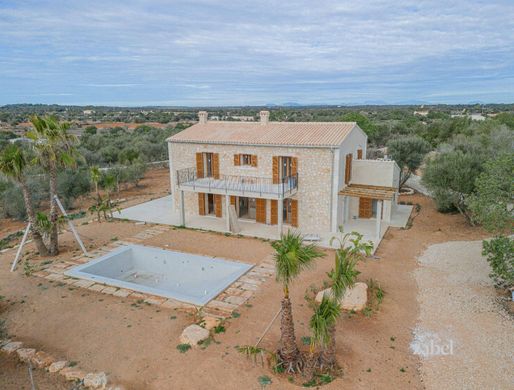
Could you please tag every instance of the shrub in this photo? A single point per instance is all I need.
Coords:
(500, 256)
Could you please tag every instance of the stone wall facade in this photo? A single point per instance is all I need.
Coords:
(315, 179)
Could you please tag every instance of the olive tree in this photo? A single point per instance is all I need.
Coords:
(408, 152)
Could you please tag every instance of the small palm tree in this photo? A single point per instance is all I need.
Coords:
(322, 321)
(343, 276)
(13, 163)
(55, 149)
(292, 256)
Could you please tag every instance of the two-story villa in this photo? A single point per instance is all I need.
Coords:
(311, 176)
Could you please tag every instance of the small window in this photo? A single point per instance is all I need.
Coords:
(246, 159)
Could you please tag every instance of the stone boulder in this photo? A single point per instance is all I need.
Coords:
(194, 334)
(41, 359)
(355, 298)
(13, 346)
(26, 354)
(72, 374)
(57, 366)
(95, 380)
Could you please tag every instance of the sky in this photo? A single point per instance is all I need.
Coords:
(213, 53)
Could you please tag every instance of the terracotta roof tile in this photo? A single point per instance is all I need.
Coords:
(313, 134)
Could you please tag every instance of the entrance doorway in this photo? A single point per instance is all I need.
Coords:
(287, 212)
(246, 208)
(208, 165)
(286, 168)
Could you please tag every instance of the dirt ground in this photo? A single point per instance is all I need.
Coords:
(464, 334)
(136, 344)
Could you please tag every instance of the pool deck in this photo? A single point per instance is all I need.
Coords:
(160, 211)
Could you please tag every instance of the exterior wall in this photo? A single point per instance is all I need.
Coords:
(314, 177)
(375, 172)
(357, 139)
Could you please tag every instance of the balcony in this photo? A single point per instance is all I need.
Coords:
(250, 186)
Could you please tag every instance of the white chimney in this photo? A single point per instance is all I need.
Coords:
(202, 117)
(264, 117)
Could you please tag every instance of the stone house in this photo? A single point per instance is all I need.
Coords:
(269, 176)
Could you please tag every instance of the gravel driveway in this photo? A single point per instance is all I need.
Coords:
(464, 337)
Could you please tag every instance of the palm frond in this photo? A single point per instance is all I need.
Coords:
(325, 316)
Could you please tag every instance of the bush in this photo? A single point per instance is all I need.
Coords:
(71, 184)
(500, 256)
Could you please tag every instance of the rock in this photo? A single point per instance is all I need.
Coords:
(72, 374)
(210, 322)
(194, 334)
(95, 380)
(354, 298)
(42, 359)
(12, 346)
(57, 366)
(25, 354)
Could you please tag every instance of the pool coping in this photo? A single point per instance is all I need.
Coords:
(222, 306)
(77, 272)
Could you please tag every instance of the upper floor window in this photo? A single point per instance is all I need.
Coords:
(249, 160)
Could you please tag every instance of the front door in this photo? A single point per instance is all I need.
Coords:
(365, 208)
(286, 167)
(287, 212)
(247, 208)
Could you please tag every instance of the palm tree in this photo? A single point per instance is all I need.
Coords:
(343, 276)
(322, 321)
(55, 149)
(13, 163)
(291, 257)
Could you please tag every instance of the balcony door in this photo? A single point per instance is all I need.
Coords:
(286, 167)
(209, 164)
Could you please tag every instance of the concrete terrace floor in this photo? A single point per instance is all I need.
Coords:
(160, 211)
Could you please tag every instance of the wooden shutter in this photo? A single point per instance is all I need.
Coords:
(365, 208)
(348, 169)
(294, 212)
(359, 154)
(216, 165)
(201, 204)
(199, 165)
(274, 212)
(260, 210)
(254, 160)
(217, 206)
(237, 159)
(233, 200)
(294, 166)
(275, 170)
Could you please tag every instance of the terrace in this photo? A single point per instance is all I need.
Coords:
(250, 186)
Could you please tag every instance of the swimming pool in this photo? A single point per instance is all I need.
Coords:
(182, 276)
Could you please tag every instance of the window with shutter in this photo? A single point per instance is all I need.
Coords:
(217, 206)
(274, 212)
(216, 165)
(294, 212)
(199, 165)
(237, 159)
(201, 204)
(275, 170)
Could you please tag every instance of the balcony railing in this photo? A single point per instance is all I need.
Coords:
(234, 184)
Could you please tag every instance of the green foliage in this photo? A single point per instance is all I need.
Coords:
(491, 204)
(450, 176)
(264, 380)
(72, 183)
(408, 152)
(362, 121)
(500, 256)
(219, 329)
(90, 130)
(324, 318)
(183, 348)
(292, 256)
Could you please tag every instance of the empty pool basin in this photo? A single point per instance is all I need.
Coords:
(182, 276)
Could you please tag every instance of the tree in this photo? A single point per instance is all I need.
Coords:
(292, 256)
(450, 176)
(362, 121)
(408, 152)
(343, 276)
(13, 164)
(55, 149)
(321, 324)
(491, 204)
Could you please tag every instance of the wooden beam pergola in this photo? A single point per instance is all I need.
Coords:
(368, 191)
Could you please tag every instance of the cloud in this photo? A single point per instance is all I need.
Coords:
(251, 52)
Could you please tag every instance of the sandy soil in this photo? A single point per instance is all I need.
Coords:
(136, 344)
(460, 312)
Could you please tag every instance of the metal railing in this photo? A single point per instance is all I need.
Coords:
(237, 184)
